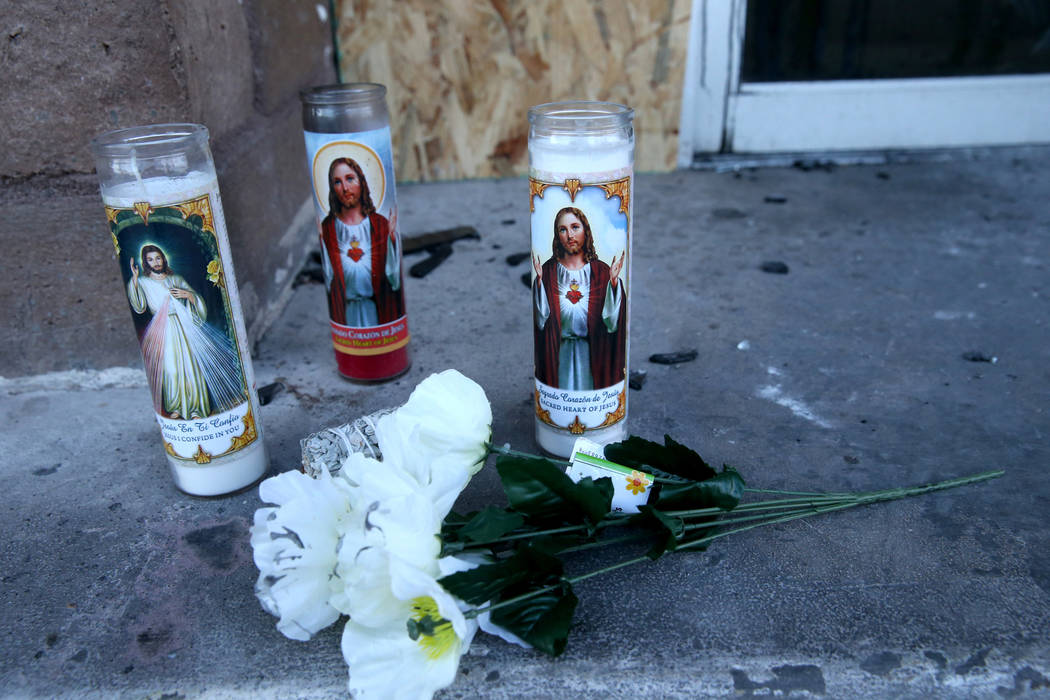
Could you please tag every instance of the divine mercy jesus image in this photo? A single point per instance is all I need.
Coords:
(192, 366)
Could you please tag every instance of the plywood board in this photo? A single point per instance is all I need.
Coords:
(461, 74)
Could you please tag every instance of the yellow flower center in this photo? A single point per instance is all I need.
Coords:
(637, 482)
(436, 636)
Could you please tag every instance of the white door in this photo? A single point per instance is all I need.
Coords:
(730, 104)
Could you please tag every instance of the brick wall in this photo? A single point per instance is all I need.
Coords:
(70, 71)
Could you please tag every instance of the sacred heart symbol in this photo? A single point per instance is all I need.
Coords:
(354, 251)
(573, 294)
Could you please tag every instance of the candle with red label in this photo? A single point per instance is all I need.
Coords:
(348, 150)
(581, 160)
(166, 222)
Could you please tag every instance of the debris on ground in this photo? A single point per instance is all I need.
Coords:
(674, 358)
(438, 253)
(975, 356)
(424, 241)
(311, 272)
(774, 267)
(438, 244)
(637, 380)
(266, 393)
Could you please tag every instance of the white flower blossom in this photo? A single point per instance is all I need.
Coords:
(447, 415)
(384, 659)
(295, 546)
(396, 531)
(366, 542)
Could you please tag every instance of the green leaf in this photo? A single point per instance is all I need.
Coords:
(529, 567)
(669, 529)
(541, 490)
(722, 491)
(489, 524)
(671, 457)
(542, 620)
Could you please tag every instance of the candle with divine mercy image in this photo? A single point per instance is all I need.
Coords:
(167, 227)
(581, 162)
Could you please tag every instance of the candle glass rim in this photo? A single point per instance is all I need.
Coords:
(581, 116)
(149, 141)
(342, 93)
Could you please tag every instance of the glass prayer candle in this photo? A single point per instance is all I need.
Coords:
(581, 164)
(167, 227)
(349, 154)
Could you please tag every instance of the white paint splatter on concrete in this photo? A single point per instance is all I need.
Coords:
(954, 315)
(743, 345)
(775, 394)
(774, 371)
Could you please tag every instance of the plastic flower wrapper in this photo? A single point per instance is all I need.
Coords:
(413, 646)
(295, 546)
(446, 416)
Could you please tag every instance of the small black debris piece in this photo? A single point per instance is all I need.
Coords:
(310, 274)
(515, 258)
(438, 253)
(728, 213)
(266, 393)
(850, 459)
(807, 164)
(775, 199)
(976, 356)
(882, 175)
(432, 239)
(774, 267)
(637, 380)
(509, 222)
(674, 358)
(526, 279)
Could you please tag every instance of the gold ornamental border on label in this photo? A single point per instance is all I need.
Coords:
(216, 274)
(201, 206)
(198, 206)
(576, 427)
(613, 188)
(243, 440)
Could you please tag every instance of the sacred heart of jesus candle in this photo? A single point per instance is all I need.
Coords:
(165, 219)
(348, 151)
(581, 163)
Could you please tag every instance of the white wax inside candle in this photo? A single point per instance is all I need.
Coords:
(245, 466)
(594, 154)
(589, 158)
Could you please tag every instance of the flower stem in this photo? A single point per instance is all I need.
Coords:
(506, 450)
(851, 502)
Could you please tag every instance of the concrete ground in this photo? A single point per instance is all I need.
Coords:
(907, 343)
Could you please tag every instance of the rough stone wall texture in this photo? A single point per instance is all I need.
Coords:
(462, 74)
(70, 71)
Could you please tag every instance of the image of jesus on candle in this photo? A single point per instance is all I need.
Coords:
(580, 310)
(361, 254)
(192, 367)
